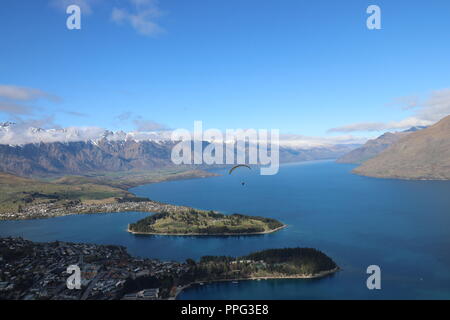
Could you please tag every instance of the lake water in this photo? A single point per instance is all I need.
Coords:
(401, 226)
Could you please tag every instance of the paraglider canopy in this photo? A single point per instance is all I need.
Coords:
(239, 166)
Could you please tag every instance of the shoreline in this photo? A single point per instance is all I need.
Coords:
(52, 210)
(394, 177)
(319, 275)
(204, 234)
(44, 211)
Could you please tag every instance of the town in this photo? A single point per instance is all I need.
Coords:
(56, 209)
(38, 271)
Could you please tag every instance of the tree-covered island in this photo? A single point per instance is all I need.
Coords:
(287, 263)
(196, 222)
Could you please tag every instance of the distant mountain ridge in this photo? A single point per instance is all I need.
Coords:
(424, 154)
(82, 151)
(290, 154)
(57, 158)
(374, 147)
(82, 157)
(371, 148)
(16, 134)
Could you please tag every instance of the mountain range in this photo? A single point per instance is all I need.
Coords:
(83, 151)
(417, 153)
(374, 147)
(423, 154)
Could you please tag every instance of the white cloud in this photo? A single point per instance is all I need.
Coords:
(24, 134)
(359, 126)
(45, 130)
(405, 103)
(76, 114)
(297, 141)
(25, 94)
(33, 131)
(425, 113)
(142, 15)
(124, 116)
(148, 125)
(381, 126)
(142, 18)
(14, 108)
(436, 107)
(12, 99)
(305, 142)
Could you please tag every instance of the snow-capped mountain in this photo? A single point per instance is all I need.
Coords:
(16, 134)
(29, 151)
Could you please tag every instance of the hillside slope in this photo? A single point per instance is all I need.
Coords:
(17, 192)
(83, 157)
(423, 154)
(372, 148)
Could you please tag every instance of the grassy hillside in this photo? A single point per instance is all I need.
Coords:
(129, 179)
(16, 192)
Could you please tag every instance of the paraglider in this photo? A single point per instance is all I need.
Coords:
(238, 166)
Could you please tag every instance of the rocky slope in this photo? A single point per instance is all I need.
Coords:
(424, 154)
(374, 147)
(82, 157)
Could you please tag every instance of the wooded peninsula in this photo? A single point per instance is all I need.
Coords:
(196, 222)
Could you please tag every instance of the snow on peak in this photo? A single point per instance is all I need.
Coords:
(21, 134)
(17, 134)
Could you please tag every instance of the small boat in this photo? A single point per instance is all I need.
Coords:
(235, 282)
(201, 283)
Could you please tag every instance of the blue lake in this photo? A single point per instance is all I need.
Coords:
(401, 226)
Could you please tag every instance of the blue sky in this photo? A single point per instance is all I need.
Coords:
(304, 67)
